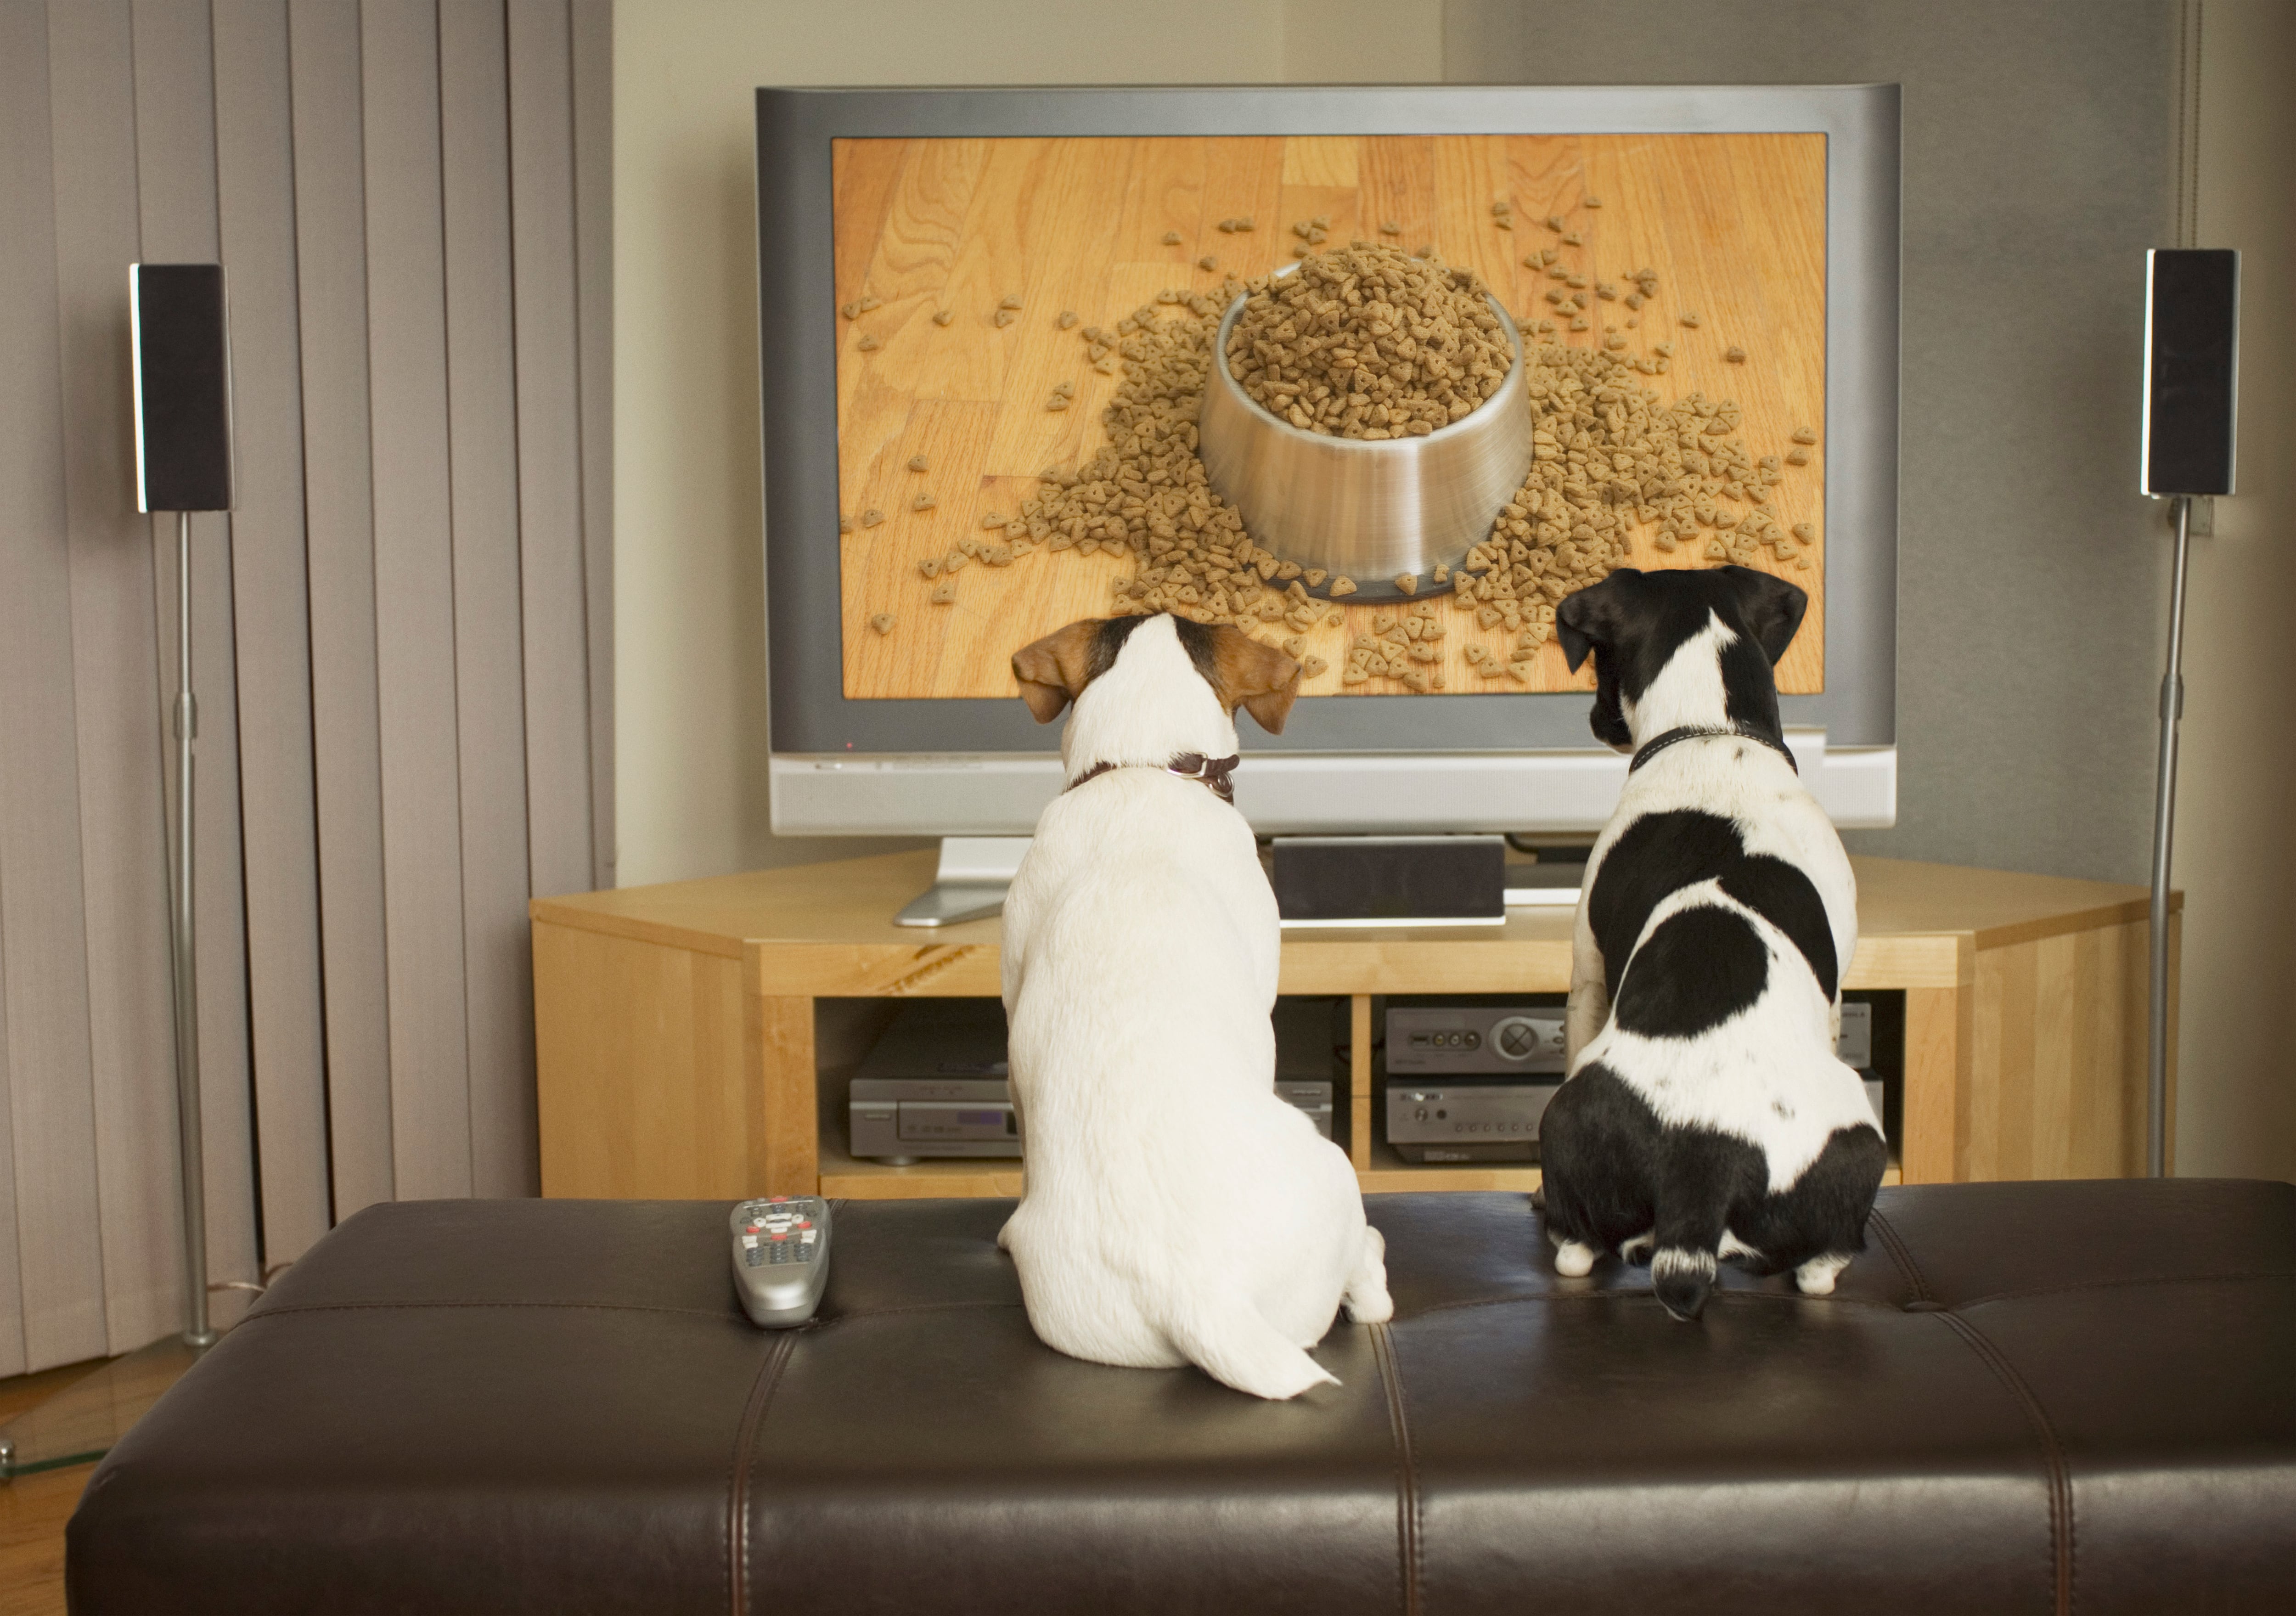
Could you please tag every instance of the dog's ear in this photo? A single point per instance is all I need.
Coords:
(1595, 615)
(1772, 607)
(1256, 676)
(1054, 670)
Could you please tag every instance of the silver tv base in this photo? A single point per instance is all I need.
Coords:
(971, 883)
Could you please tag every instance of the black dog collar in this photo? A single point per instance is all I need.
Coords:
(1212, 771)
(1688, 732)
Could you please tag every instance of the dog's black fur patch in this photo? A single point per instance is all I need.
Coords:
(1613, 1172)
(1698, 967)
(1634, 624)
(1660, 854)
(1107, 641)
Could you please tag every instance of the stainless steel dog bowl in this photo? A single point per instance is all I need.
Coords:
(1367, 511)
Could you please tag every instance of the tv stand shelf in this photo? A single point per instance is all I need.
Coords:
(677, 1056)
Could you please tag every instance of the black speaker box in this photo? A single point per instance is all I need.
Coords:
(1388, 880)
(183, 387)
(2192, 369)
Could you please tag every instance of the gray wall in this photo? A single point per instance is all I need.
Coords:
(2235, 860)
(401, 633)
(2038, 170)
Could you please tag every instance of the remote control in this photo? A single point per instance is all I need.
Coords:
(781, 1258)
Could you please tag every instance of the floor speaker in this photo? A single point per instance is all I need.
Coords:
(183, 387)
(2192, 369)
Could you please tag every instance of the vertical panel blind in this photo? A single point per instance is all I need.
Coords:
(401, 633)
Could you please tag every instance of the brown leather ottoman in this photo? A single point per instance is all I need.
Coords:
(2030, 1398)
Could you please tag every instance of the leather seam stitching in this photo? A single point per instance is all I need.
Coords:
(284, 1308)
(922, 1307)
(1729, 1298)
(1406, 1502)
(1902, 1255)
(737, 1480)
(2122, 1285)
(2059, 1478)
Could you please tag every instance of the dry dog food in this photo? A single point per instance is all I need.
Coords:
(1609, 455)
(1362, 343)
(918, 463)
(1145, 491)
(883, 622)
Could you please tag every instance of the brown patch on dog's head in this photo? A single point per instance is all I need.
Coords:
(1054, 670)
(1243, 672)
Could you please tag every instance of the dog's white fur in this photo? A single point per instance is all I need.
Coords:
(1783, 1049)
(1175, 1210)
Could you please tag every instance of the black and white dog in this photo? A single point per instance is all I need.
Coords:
(1706, 1114)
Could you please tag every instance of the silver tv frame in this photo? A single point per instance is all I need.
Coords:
(1480, 762)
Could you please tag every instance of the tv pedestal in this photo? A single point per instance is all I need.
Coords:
(969, 883)
(677, 1057)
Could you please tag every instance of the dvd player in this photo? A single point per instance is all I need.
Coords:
(936, 1084)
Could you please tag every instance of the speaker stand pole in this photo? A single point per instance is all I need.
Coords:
(2164, 815)
(197, 1332)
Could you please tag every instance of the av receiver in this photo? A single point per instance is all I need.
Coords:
(1470, 1082)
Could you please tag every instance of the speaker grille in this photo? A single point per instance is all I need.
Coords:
(2192, 349)
(183, 388)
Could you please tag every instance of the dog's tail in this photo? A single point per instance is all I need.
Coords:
(1694, 1208)
(1223, 1334)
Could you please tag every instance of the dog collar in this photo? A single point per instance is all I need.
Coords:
(1691, 732)
(1212, 771)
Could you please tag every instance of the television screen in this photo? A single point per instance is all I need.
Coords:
(1028, 337)
(1377, 375)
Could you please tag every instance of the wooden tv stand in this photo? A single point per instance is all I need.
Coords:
(677, 1056)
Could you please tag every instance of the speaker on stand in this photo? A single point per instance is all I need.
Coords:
(183, 463)
(2191, 392)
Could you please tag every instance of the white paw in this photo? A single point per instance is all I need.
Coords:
(1816, 1277)
(1573, 1259)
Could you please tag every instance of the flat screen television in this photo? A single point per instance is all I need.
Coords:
(972, 302)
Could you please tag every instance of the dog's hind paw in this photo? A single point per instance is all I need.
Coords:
(1366, 1299)
(1573, 1258)
(1815, 1278)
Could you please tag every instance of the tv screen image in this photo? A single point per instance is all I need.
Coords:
(1009, 307)
(1376, 375)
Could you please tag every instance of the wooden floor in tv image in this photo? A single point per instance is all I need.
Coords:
(935, 239)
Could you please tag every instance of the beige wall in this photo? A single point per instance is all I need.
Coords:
(2236, 850)
(690, 694)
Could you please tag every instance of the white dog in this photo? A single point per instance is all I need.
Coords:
(1176, 1211)
(1706, 1114)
